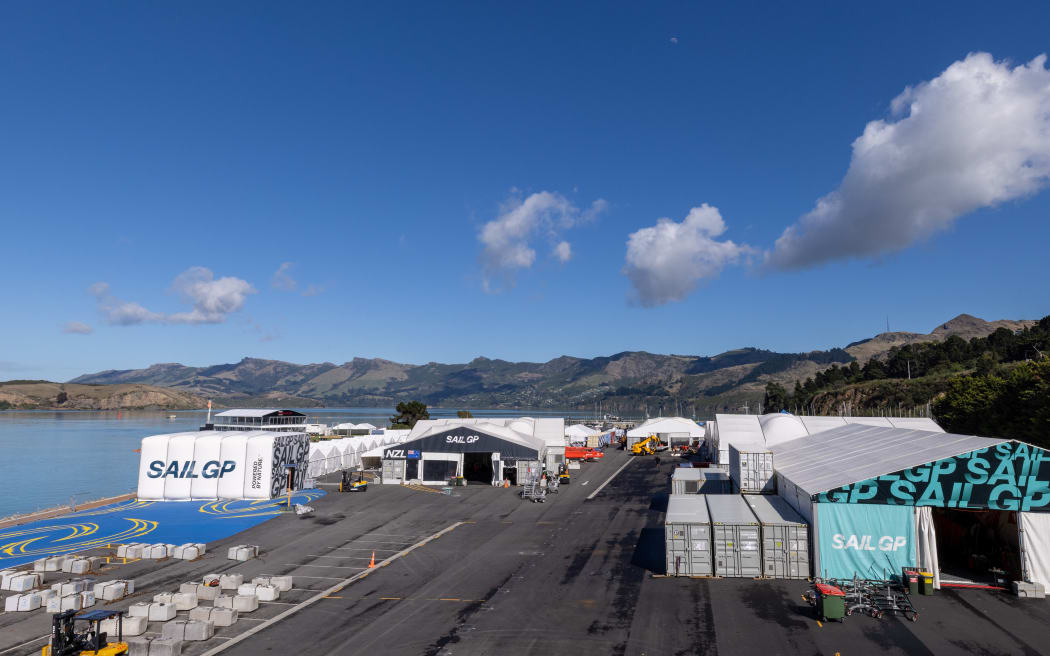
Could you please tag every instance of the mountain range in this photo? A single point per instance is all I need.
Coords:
(625, 383)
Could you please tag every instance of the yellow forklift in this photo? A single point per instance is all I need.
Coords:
(91, 641)
(563, 474)
(352, 482)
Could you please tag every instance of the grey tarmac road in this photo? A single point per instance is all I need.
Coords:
(568, 576)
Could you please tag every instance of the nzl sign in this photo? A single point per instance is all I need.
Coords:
(401, 454)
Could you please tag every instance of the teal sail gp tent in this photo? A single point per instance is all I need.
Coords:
(870, 492)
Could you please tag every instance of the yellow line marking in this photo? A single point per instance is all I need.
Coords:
(391, 598)
(448, 599)
(332, 597)
(819, 624)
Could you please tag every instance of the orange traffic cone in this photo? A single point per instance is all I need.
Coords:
(372, 563)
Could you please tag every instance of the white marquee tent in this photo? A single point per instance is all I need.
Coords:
(220, 464)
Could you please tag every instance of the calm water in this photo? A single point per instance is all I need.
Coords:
(55, 457)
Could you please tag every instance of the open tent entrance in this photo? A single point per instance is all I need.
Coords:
(978, 546)
(477, 467)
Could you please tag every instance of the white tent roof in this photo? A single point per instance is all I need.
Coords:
(352, 426)
(533, 433)
(667, 425)
(251, 412)
(777, 428)
(856, 452)
(579, 430)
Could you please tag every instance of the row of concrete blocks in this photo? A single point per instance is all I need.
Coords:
(73, 595)
(188, 551)
(69, 563)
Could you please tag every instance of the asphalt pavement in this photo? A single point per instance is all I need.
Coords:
(568, 576)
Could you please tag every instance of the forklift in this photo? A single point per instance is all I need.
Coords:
(563, 474)
(353, 482)
(66, 641)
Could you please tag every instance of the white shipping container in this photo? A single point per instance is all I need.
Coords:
(751, 469)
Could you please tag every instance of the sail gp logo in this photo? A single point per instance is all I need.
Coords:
(868, 542)
(188, 469)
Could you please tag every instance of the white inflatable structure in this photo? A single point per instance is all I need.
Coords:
(221, 465)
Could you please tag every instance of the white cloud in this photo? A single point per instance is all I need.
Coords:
(666, 262)
(506, 239)
(313, 290)
(120, 313)
(975, 136)
(211, 299)
(77, 328)
(563, 251)
(282, 278)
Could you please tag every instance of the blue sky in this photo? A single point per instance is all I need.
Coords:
(182, 153)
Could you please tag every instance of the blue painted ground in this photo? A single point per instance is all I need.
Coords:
(174, 522)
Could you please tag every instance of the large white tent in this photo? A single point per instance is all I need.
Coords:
(658, 425)
(858, 480)
(221, 465)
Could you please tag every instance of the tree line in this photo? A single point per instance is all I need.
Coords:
(952, 356)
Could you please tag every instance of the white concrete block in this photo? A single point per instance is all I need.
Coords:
(155, 552)
(5, 576)
(135, 550)
(161, 612)
(211, 578)
(76, 586)
(22, 602)
(23, 582)
(57, 604)
(242, 552)
(184, 600)
(129, 585)
(282, 583)
(87, 599)
(150, 646)
(133, 626)
(188, 587)
(66, 561)
(263, 592)
(53, 564)
(164, 598)
(110, 590)
(217, 616)
(141, 609)
(188, 630)
(239, 603)
(207, 592)
(231, 581)
(40, 565)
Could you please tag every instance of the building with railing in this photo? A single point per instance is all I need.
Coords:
(281, 421)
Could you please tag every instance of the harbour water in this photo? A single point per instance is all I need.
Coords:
(56, 458)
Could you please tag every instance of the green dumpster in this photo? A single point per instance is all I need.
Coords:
(925, 583)
(831, 602)
(910, 580)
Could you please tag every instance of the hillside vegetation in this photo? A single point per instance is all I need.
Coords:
(41, 395)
